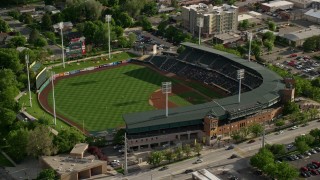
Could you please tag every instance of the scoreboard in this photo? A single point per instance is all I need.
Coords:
(76, 48)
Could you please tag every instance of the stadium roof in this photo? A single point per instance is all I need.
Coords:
(266, 93)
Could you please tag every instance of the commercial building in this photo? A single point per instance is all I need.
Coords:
(313, 15)
(297, 38)
(75, 165)
(216, 19)
(301, 3)
(272, 6)
(226, 38)
(218, 118)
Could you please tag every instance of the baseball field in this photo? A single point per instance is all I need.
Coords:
(99, 99)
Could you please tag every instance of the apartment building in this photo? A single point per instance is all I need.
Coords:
(216, 19)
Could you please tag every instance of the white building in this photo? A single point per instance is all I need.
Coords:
(216, 19)
(272, 6)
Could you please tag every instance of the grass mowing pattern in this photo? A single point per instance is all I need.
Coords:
(99, 99)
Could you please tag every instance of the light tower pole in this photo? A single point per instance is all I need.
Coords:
(200, 25)
(240, 75)
(54, 100)
(108, 19)
(125, 154)
(27, 62)
(250, 40)
(61, 28)
(166, 89)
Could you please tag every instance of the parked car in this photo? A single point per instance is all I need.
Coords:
(230, 147)
(303, 174)
(311, 166)
(316, 163)
(313, 151)
(294, 127)
(293, 55)
(188, 171)
(289, 146)
(317, 148)
(300, 156)
(304, 169)
(199, 161)
(307, 153)
(314, 172)
(251, 141)
(163, 168)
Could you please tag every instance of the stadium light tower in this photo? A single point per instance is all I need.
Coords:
(240, 75)
(108, 19)
(61, 28)
(125, 154)
(250, 40)
(200, 25)
(54, 100)
(166, 89)
(27, 62)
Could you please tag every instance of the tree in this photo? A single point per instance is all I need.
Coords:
(51, 36)
(15, 14)
(315, 133)
(269, 45)
(26, 18)
(41, 42)
(262, 158)
(198, 148)
(155, 158)
(49, 2)
(133, 7)
(272, 26)
(218, 2)
(245, 131)
(46, 22)
(4, 27)
(290, 107)
(67, 138)
(56, 18)
(309, 44)
(34, 35)
(244, 24)
(276, 149)
(313, 113)
(280, 123)
(179, 152)
(122, 42)
(93, 9)
(302, 118)
(150, 8)
(17, 41)
(187, 149)
(119, 137)
(145, 23)
(169, 155)
(302, 146)
(271, 169)
(40, 142)
(48, 174)
(236, 136)
(9, 58)
(306, 138)
(17, 141)
(286, 171)
(268, 36)
(256, 129)
(132, 39)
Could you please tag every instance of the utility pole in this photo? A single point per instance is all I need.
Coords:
(166, 89)
(200, 25)
(27, 62)
(263, 134)
(250, 40)
(240, 75)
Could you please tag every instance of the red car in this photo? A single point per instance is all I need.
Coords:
(293, 55)
(304, 169)
(316, 163)
(315, 172)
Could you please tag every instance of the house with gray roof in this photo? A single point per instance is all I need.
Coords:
(297, 38)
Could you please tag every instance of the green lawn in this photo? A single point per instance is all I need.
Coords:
(4, 162)
(101, 98)
(37, 112)
(93, 62)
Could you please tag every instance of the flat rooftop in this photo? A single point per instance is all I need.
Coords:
(277, 3)
(265, 95)
(64, 164)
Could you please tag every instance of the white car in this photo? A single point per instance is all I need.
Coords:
(294, 127)
(289, 146)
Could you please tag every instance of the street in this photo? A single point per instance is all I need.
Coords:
(216, 160)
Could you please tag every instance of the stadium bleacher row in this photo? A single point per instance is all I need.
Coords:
(208, 68)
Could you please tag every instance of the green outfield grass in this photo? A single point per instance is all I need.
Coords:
(37, 112)
(100, 99)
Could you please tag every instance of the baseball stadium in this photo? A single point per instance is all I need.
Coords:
(204, 103)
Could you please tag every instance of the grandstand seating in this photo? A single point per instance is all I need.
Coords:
(211, 69)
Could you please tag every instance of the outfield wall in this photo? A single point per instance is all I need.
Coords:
(44, 87)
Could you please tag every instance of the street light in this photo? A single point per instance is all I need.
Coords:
(166, 89)
(108, 19)
(27, 62)
(250, 39)
(240, 75)
(54, 100)
(61, 27)
(200, 25)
